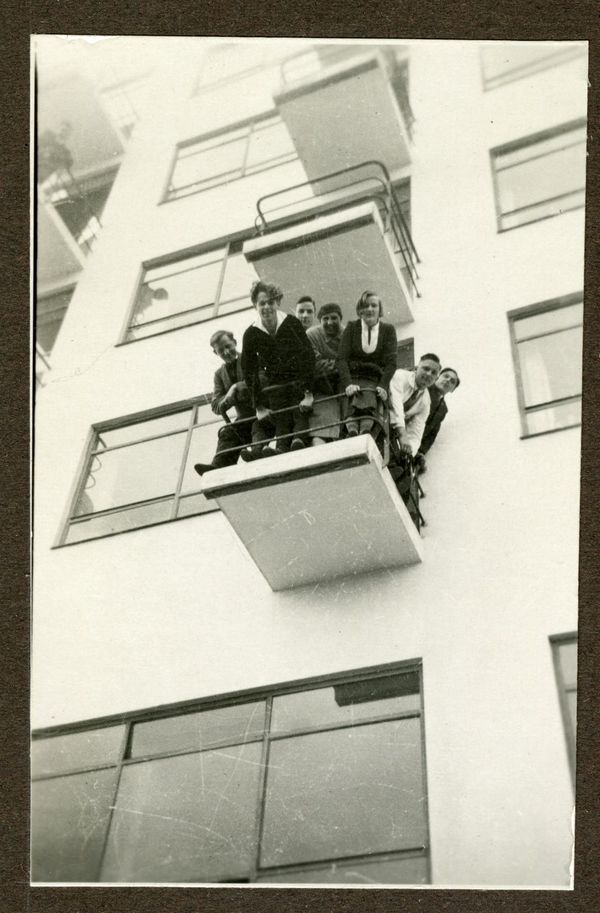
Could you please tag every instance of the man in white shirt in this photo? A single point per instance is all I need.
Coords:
(409, 402)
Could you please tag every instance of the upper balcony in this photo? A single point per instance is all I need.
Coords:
(343, 105)
(336, 236)
(312, 515)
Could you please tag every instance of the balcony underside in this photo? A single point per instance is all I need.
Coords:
(334, 257)
(313, 515)
(343, 115)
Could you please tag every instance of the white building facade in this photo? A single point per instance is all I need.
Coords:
(403, 723)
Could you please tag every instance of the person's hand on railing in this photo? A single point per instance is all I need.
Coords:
(382, 394)
(262, 413)
(420, 463)
(351, 389)
(402, 440)
(306, 403)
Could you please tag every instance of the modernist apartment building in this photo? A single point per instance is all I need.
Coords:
(269, 675)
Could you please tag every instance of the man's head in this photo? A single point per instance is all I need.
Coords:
(447, 381)
(305, 311)
(330, 318)
(224, 345)
(427, 370)
(266, 298)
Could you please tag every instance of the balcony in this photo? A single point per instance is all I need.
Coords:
(58, 255)
(336, 236)
(313, 515)
(344, 105)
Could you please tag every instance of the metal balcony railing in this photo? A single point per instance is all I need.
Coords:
(309, 64)
(367, 181)
(387, 446)
(63, 191)
(42, 365)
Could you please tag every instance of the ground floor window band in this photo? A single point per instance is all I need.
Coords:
(318, 782)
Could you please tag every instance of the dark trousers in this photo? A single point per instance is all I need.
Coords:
(236, 434)
(290, 422)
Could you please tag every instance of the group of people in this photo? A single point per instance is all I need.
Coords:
(306, 380)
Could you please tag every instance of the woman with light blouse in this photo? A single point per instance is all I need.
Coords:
(366, 358)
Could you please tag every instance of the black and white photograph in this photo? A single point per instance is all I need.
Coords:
(308, 321)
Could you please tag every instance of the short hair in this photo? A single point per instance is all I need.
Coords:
(305, 299)
(362, 301)
(430, 356)
(330, 308)
(451, 371)
(218, 335)
(273, 291)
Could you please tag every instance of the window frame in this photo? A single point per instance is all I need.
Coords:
(267, 694)
(554, 58)
(126, 421)
(226, 244)
(542, 307)
(523, 143)
(227, 177)
(556, 641)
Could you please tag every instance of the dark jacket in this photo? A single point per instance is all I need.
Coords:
(221, 386)
(286, 356)
(437, 413)
(378, 365)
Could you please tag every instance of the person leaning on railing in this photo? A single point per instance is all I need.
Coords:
(230, 390)
(446, 383)
(367, 358)
(325, 340)
(276, 345)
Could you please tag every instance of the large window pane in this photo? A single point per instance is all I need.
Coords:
(551, 366)
(189, 818)
(344, 704)
(69, 816)
(549, 320)
(120, 521)
(182, 286)
(197, 165)
(73, 750)
(175, 421)
(203, 445)
(237, 280)
(409, 870)
(343, 793)
(269, 141)
(565, 415)
(540, 179)
(196, 731)
(137, 472)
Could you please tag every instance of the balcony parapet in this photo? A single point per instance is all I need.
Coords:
(336, 235)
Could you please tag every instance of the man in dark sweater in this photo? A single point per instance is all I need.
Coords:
(229, 389)
(448, 380)
(275, 348)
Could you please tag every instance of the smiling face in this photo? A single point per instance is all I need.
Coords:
(447, 382)
(225, 349)
(332, 324)
(305, 312)
(267, 310)
(369, 312)
(426, 373)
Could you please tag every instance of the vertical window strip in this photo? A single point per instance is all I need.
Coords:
(186, 450)
(221, 279)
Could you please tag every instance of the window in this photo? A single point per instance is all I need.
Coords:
(235, 153)
(184, 291)
(406, 354)
(503, 62)
(547, 344)
(318, 782)
(564, 650)
(540, 176)
(140, 471)
(80, 203)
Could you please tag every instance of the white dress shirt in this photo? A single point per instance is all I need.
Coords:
(402, 386)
